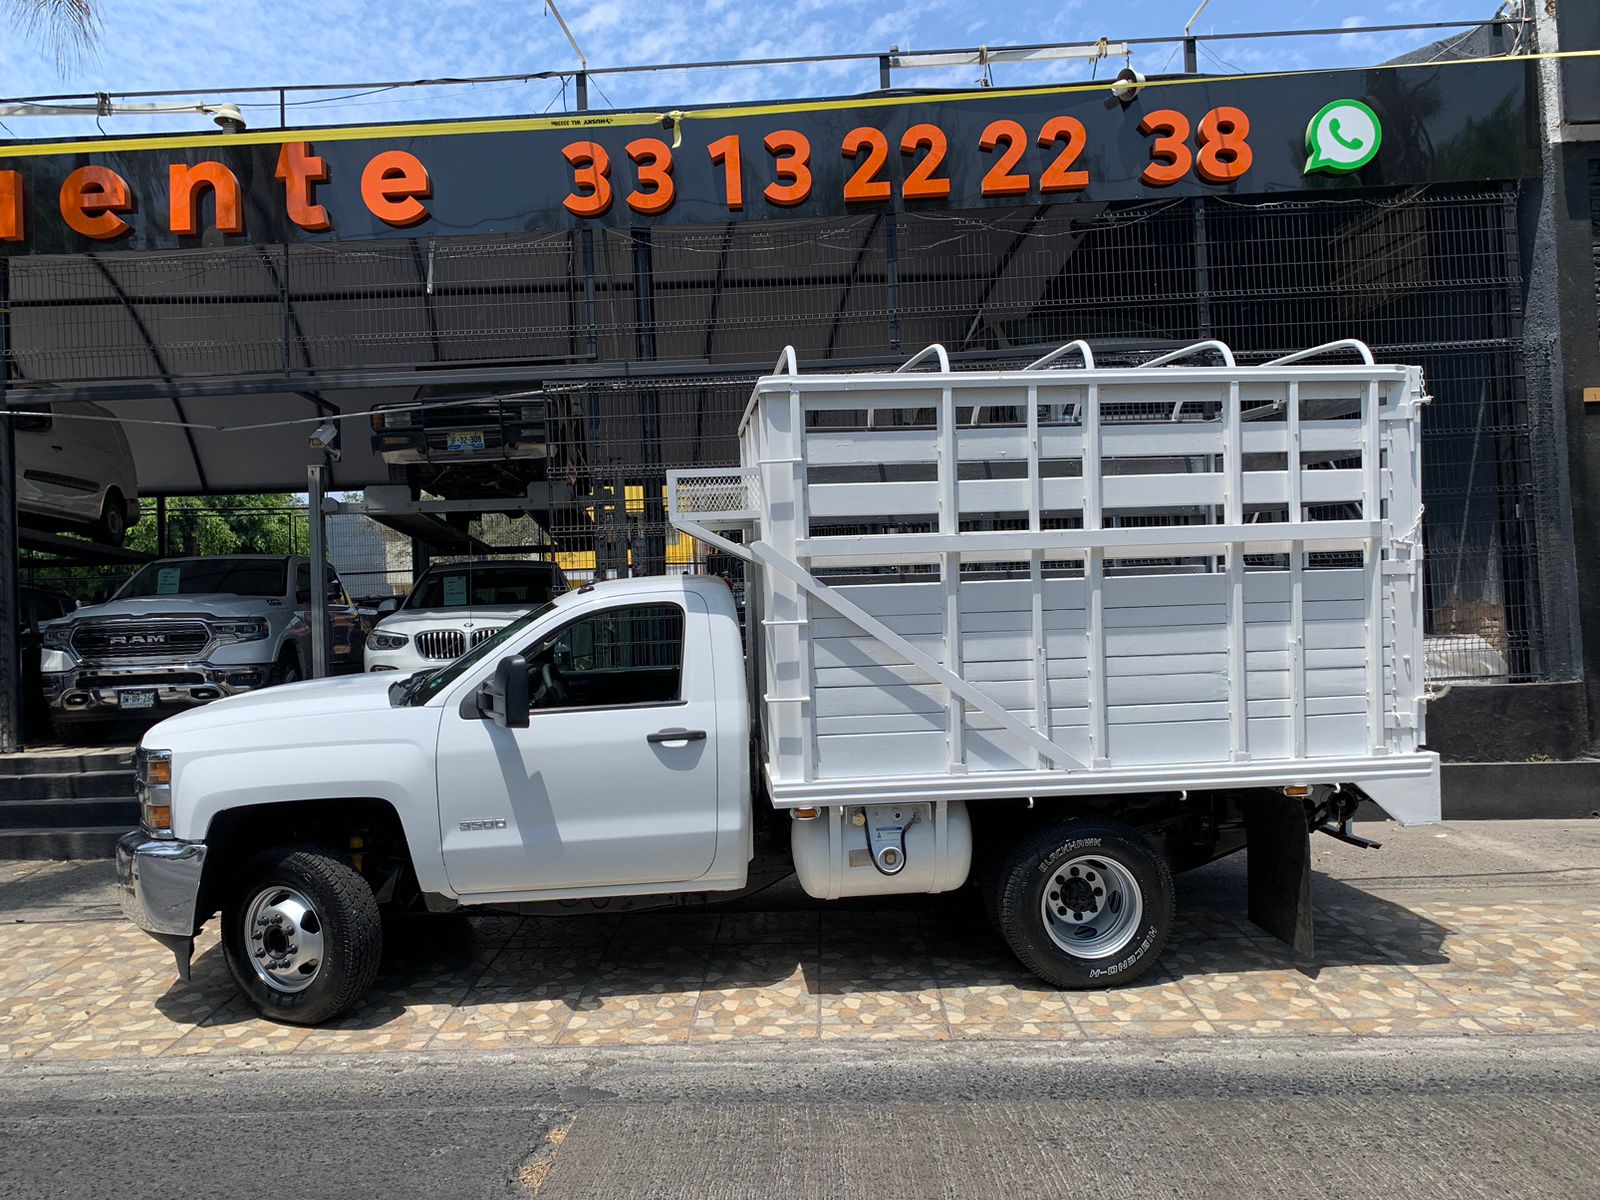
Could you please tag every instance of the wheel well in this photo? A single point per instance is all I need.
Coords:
(364, 831)
(1188, 830)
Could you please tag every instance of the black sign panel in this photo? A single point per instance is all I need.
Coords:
(1579, 28)
(1293, 133)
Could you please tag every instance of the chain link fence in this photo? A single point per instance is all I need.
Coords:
(1430, 277)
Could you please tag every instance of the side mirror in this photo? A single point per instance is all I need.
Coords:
(504, 697)
(335, 592)
(387, 605)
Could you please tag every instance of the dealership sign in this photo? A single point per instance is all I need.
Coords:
(948, 152)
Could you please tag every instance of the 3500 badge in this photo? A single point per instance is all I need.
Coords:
(1215, 148)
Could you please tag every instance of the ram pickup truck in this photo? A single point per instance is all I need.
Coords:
(187, 631)
(1006, 627)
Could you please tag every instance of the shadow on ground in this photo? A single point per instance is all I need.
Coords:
(58, 887)
(906, 946)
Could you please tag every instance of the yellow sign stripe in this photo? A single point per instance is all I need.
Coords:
(580, 121)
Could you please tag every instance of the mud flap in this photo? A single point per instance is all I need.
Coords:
(1278, 859)
(182, 951)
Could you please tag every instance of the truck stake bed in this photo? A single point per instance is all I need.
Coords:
(1066, 581)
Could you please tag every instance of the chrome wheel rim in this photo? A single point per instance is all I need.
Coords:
(1092, 906)
(283, 939)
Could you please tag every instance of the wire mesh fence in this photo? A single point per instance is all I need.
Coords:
(1429, 277)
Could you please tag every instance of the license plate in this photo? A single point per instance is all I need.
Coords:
(463, 441)
(136, 699)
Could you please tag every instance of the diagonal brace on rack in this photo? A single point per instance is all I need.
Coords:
(870, 624)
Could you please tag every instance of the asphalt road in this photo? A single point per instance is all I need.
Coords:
(1392, 1119)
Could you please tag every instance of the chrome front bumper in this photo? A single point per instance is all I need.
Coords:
(158, 884)
(90, 690)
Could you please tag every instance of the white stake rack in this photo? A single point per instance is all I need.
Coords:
(1071, 579)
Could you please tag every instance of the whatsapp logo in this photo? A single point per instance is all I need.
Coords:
(1343, 136)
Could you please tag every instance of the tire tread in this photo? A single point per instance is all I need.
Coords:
(1012, 900)
(354, 932)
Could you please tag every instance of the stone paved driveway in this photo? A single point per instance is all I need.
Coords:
(1470, 930)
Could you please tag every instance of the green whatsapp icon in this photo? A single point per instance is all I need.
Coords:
(1343, 136)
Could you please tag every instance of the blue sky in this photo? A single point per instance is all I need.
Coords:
(206, 44)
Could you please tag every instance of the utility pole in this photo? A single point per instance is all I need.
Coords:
(11, 698)
(316, 486)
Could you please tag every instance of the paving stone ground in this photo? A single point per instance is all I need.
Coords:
(1473, 930)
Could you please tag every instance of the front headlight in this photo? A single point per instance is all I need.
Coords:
(379, 640)
(252, 630)
(58, 636)
(152, 775)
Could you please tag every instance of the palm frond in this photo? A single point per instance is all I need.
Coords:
(69, 29)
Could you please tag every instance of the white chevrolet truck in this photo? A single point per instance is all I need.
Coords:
(1059, 631)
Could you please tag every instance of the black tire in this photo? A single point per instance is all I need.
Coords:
(112, 528)
(1128, 869)
(347, 922)
(287, 670)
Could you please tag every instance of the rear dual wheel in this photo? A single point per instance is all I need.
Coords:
(1083, 903)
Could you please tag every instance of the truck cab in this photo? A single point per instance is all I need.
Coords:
(515, 774)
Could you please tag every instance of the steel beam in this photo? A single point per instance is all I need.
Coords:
(316, 479)
(555, 371)
(11, 697)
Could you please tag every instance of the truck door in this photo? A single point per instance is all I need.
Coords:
(614, 780)
(344, 627)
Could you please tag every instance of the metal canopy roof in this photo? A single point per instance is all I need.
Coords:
(206, 354)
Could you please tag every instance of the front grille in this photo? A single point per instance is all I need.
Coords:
(442, 644)
(482, 635)
(140, 639)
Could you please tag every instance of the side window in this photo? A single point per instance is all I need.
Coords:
(302, 584)
(33, 423)
(630, 655)
(335, 588)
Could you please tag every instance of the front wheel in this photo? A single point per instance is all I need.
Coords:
(287, 670)
(1084, 903)
(302, 935)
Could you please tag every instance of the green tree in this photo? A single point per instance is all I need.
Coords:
(272, 523)
(69, 29)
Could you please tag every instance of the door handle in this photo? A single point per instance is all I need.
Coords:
(675, 735)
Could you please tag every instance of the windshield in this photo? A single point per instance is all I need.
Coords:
(482, 585)
(431, 685)
(200, 576)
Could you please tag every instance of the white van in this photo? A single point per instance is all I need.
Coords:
(77, 473)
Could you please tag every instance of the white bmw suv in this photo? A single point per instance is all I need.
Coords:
(454, 607)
